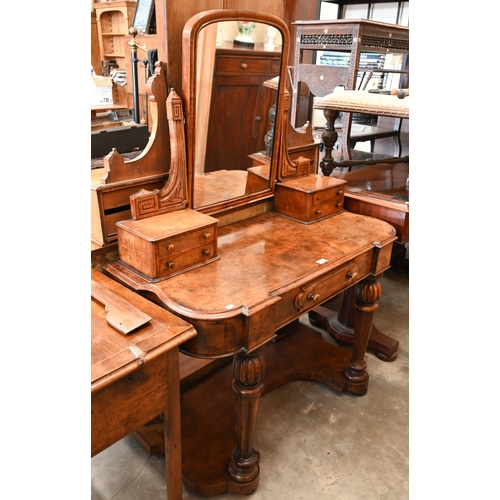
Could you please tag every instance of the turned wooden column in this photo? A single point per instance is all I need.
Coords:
(367, 293)
(248, 371)
(340, 325)
(329, 138)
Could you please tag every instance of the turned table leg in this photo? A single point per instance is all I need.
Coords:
(329, 138)
(367, 293)
(248, 371)
(340, 326)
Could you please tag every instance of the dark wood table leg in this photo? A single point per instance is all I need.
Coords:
(248, 371)
(172, 431)
(340, 325)
(367, 293)
(329, 138)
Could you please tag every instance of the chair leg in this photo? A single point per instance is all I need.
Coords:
(400, 146)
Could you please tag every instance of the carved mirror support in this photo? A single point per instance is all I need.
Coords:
(173, 195)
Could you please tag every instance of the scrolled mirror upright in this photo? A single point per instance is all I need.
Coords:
(229, 58)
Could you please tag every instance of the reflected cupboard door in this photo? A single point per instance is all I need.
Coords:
(240, 104)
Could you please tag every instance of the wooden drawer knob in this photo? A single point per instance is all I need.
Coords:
(170, 265)
(205, 252)
(244, 65)
(207, 235)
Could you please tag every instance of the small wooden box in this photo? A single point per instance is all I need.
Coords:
(167, 244)
(110, 203)
(309, 199)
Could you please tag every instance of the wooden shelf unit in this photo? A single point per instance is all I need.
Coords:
(113, 22)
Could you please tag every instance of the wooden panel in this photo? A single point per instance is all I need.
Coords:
(129, 403)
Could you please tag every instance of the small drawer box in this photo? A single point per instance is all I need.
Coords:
(162, 246)
(309, 199)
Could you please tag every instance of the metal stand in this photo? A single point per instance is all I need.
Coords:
(135, 80)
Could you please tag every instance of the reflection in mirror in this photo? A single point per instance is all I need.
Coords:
(235, 59)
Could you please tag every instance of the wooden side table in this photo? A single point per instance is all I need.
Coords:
(135, 377)
(354, 36)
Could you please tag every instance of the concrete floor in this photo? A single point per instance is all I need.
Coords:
(314, 442)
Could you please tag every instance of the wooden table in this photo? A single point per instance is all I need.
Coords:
(245, 306)
(135, 377)
(377, 191)
(352, 36)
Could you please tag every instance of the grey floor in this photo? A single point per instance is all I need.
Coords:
(314, 442)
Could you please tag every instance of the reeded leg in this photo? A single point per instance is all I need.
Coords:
(367, 293)
(248, 370)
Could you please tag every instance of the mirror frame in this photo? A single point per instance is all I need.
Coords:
(189, 62)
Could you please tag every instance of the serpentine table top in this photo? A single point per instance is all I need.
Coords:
(271, 271)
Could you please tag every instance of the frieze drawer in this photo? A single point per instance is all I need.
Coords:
(162, 246)
(305, 297)
(309, 199)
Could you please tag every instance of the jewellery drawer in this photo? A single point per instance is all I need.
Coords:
(175, 244)
(309, 199)
(164, 245)
(183, 260)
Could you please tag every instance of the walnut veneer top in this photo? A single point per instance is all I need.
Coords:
(263, 254)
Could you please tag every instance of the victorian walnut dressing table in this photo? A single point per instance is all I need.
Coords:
(245, 292)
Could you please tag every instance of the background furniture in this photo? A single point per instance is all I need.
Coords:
(377, 191)
(239, 74)
(112, 185)
(381, 203)
(354, 36)
(135, 377)
(149, 42)
(348, 102)
(113, 22)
